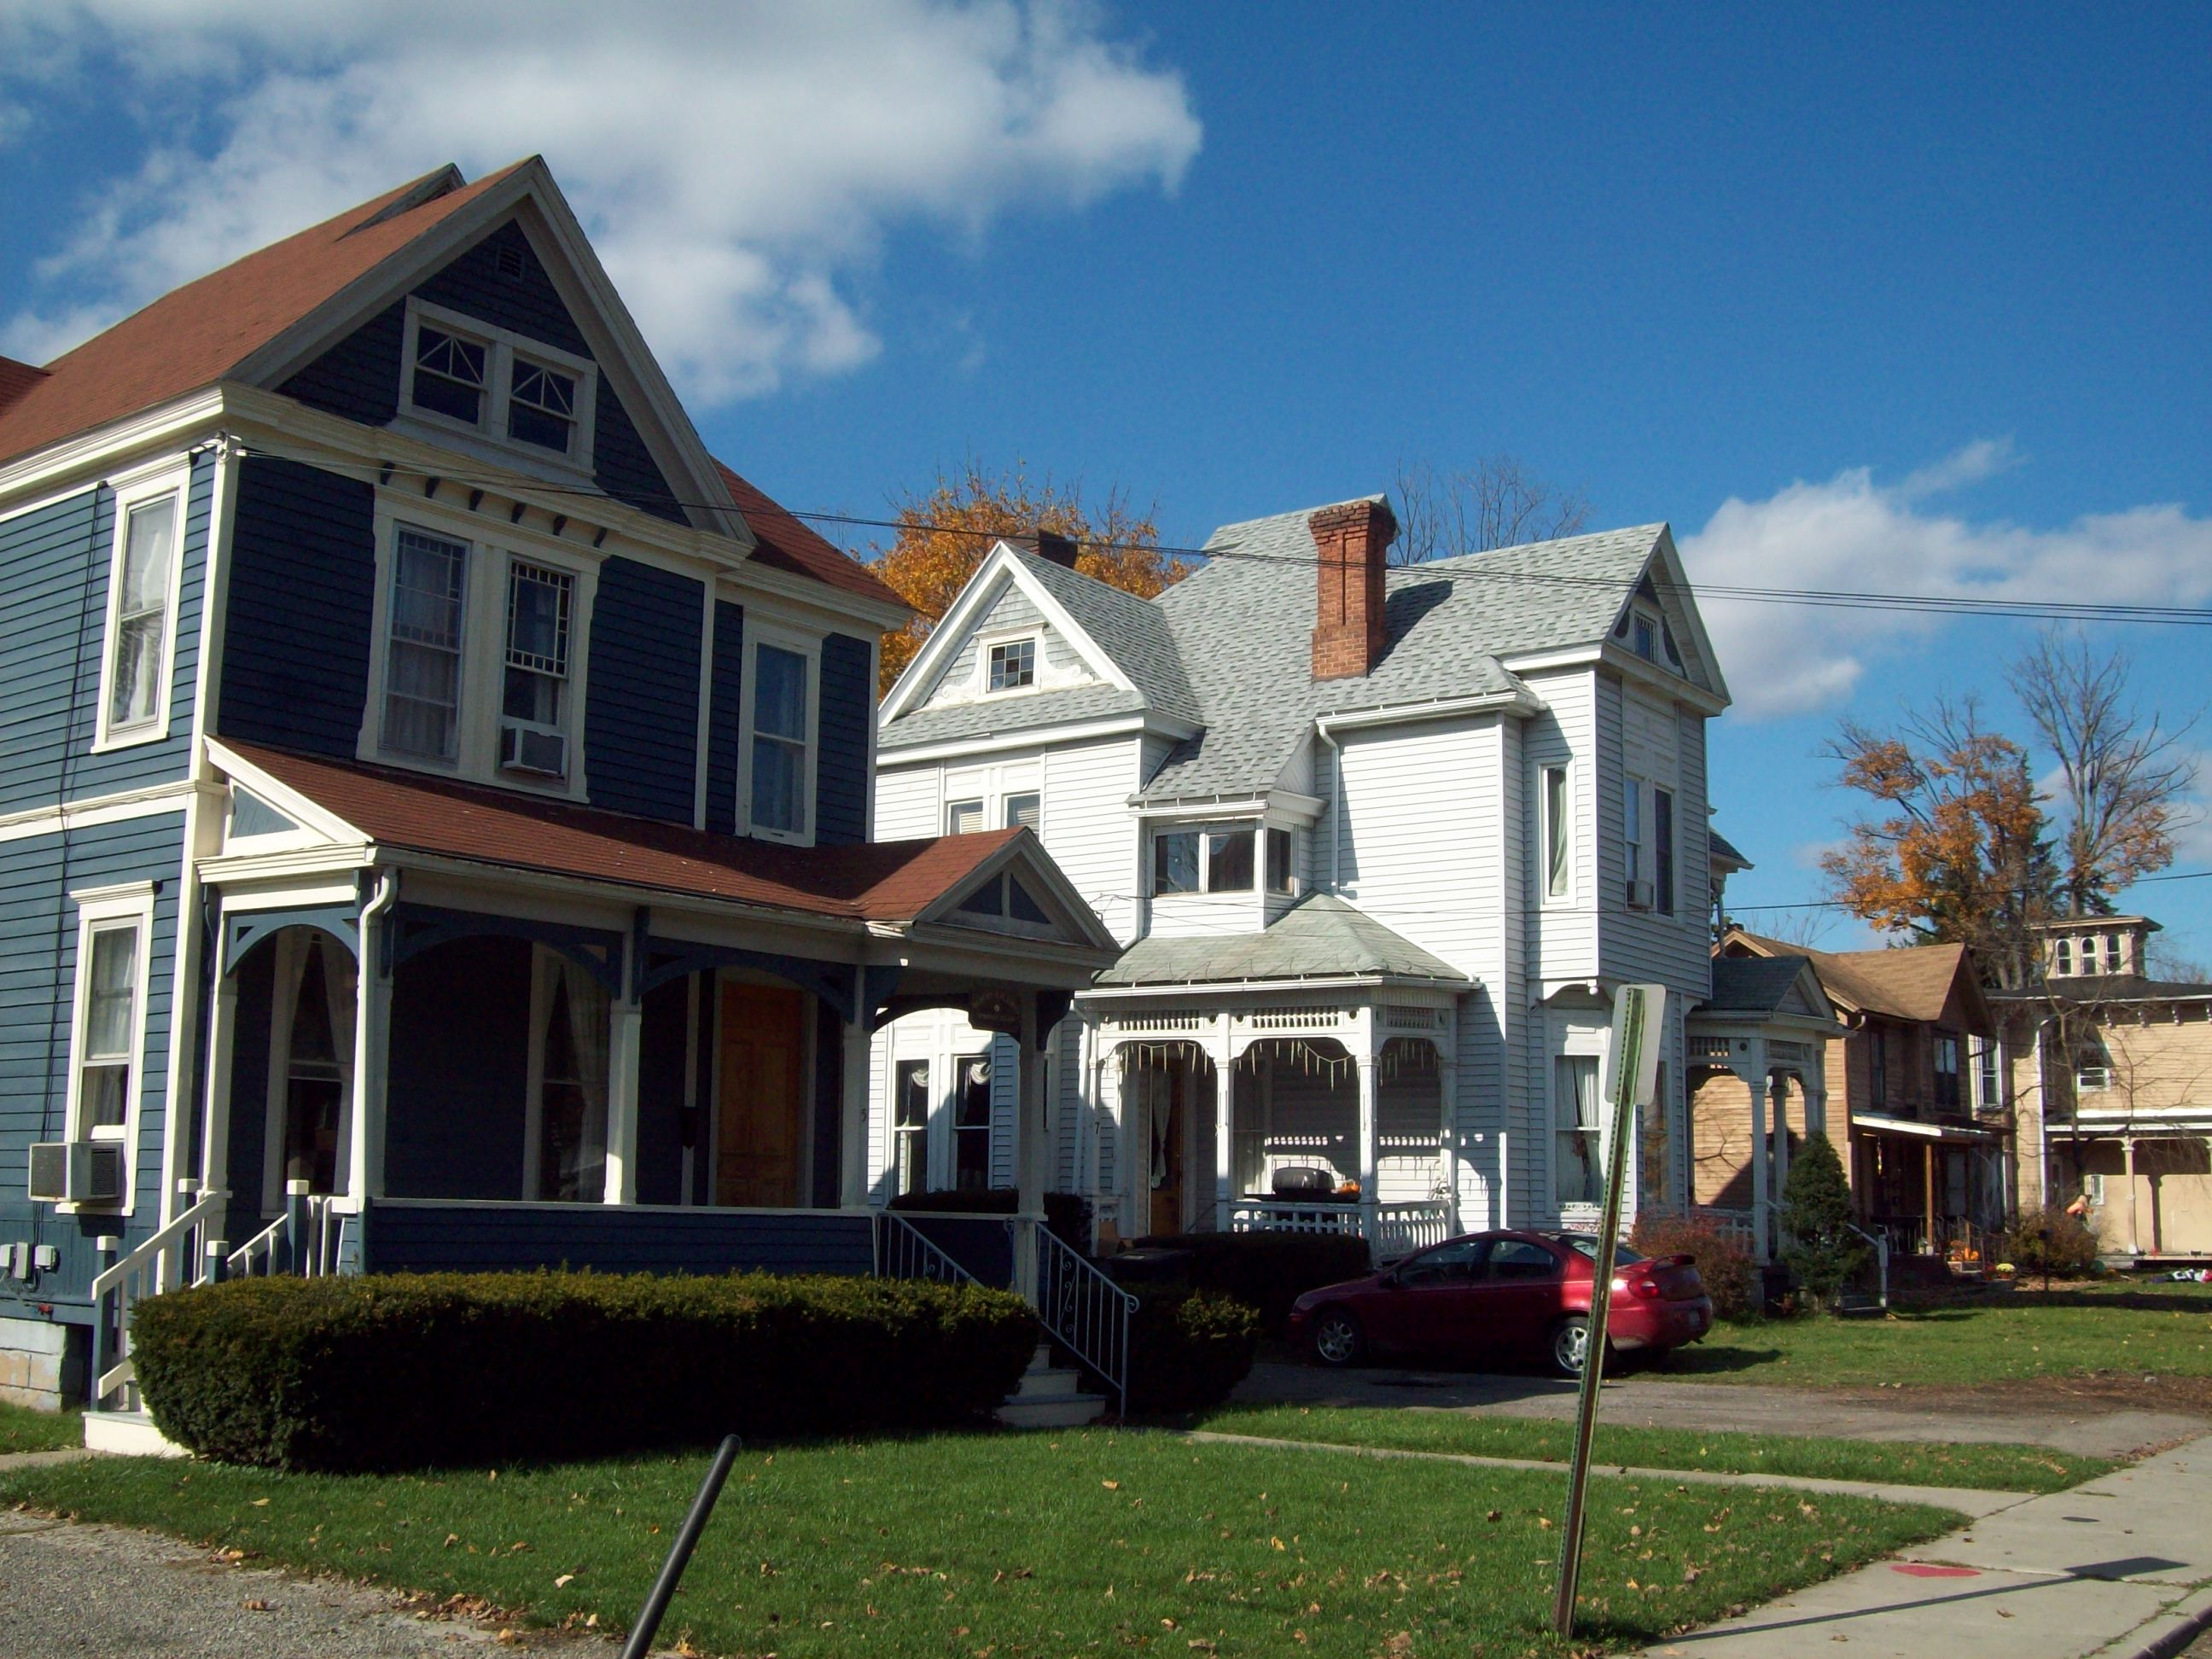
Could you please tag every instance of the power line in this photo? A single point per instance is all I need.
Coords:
(1817, 599)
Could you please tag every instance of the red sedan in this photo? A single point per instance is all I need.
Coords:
(1493, 1296)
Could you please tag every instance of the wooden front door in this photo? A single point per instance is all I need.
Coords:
(760, 1107)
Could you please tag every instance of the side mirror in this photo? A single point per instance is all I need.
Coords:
(1390, 1281)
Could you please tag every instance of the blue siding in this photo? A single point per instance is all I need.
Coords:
(724, 739)
(459, 1079)
(527, 304)
(405, 1238)
(302, 588)
(37, 979)
(625, 467)
(358, 377)
(641, 727)
(840, 776)
(54, 568)
(828, 1114)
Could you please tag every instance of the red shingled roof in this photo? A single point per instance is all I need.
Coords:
(16, 379)
(787, 544)
(193, 336)
(878, 881)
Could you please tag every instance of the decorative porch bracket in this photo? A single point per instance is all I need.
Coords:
(415, 928)
(666, 959)
(245, 929)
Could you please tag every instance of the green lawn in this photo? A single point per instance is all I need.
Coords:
(23, 1430)
(2162, 1329)
(997, 1544)
(2000, 1468)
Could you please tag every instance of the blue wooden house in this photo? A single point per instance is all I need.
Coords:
(435, 799)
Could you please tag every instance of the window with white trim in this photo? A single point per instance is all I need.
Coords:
(1013, 666)
(570, 1027)
(1282, 867)
(1025, 812)
(520, 396)
(142, 584)
(1578, 1134)
(107, 1027)
(1557, 833)
(424, 636)
(1203, 861)
(963, 817)
(310, 1063)
(1631, 838)
(533, 735)
(971, 1124)
(1663, 850)
(782, 741)
(910, 1128)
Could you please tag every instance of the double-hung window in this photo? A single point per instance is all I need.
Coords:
(423, 649)
(971, 1124)
(781, 735)
(963, 817)
(910, 1128)
(1557, 835)
(1281, 871)
(1025, 812)
(534, 699)
(1204, 861)
(142, 581)
(1946, 1057)
(108, 1027)
(1662, 851)
(1632, 836)
(1578, 1151)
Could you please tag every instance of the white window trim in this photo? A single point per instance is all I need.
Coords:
(501, 348)
(1546, 896)
(493, 549)
(1206, 888)
(172, 479)
(982, 816)
(993, 786)
(808, 646)
(291, 967)
(98, 909)
(986, 643)
(1577, 1040)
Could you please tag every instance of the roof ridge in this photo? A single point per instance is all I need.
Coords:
(1219, 531)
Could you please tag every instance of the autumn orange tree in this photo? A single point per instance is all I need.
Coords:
(1956, 848)
(945, 529)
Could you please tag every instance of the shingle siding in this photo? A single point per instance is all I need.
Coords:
(526, 303)
(625, 467)
(55, 563)
(840, 767)
(357, 378)
(301, 593)
(641, 725)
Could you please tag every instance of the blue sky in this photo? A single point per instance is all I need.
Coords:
(1907, 301)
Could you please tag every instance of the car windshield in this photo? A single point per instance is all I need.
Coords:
(1622, 1255)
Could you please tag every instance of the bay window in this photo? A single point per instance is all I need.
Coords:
(1207, 861)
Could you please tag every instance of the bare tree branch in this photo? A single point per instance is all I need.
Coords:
(1495, 503)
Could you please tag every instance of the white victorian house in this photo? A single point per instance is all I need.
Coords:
(1379, 842)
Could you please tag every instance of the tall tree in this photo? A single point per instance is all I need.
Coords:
(2123, 780)
(1495, 503)
(1957, 848)
(945, 529)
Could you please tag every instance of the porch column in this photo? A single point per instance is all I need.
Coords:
(1781, 1150)
(1447, 1132)
(1224, 1055)
(852, 1136)
(1928, 1194)
(1369, 1152)
(1760, 1217)
(372, 1037)
(1029, 1150)
(222, 1032)
(2128, 1155)
(625, 1035)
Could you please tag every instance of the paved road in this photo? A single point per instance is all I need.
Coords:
(83, 1592)
(2088, 1430)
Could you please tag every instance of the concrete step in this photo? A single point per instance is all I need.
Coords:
(1062, 1412)
(128, 1434)
(1052, 1383)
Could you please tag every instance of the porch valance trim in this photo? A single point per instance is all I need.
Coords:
(1948, 1134)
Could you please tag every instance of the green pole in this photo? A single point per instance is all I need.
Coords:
(1637, 1015)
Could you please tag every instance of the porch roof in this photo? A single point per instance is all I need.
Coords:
(877, 881)
(1320, 937)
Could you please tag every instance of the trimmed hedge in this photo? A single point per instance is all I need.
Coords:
(409, 1371)
(1187, 1349)
(1268, 1271)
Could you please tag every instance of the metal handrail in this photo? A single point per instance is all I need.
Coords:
(1881, 1242)
(904, 1251)
(1084, 1311)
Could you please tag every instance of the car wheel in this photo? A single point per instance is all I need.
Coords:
(1569, 1345)
(1337, 1338)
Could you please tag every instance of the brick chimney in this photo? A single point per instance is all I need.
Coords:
(1050, 544)
(1351, 539)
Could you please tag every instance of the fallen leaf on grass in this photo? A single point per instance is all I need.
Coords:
(260, 1503)
(255, 1604)
(564, 1581)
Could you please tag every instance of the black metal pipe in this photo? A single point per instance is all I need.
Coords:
(679, 1553)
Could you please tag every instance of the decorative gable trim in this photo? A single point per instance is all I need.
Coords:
(1068, 919)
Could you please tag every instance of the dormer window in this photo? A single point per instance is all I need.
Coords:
(1643, 636)
(1013, 665)
(1203, 861)
(516, 396)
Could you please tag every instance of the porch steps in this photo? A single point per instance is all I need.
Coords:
(128, 1434)
(1050, 1397)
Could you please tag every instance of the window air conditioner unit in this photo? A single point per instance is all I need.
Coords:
(76, 1172)
(533, 748)
(1639, 896)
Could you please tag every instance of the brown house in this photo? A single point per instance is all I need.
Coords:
(1916, 1097)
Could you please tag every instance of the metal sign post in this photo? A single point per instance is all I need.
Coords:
(1639, 1022)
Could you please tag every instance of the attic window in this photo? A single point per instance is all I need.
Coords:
(542, 408)
(523, 397)
(449, 375)
(1643, 636)
(1013, 665)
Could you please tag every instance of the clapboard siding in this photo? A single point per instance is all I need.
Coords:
(55, 564)
(301, 592)
(909, 802)
(1088, 830)
(625, 467)
(1056, 658)
(525, 303)
(724, 700)
(357, 378)
(840, 766)
(1645, 946)
(456, 1097)
(38, 982)
(641, 726)
(449, 1238)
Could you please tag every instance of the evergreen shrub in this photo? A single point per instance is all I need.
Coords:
(1268, 1271)
(410, 1370)
(1823, 1251)
(1187, 1349)
(2049, 1240)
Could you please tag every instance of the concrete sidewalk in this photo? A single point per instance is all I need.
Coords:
(2121, 1565)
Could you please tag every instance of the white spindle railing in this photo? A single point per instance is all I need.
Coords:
(1402, 1229)
(1399, 1229)
(164, 1261)
(303, 1242)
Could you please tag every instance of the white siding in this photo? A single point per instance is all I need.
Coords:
(1088, 828)
(907, 802)
(1058, 663)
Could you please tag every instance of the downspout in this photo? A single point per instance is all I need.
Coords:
(368, 1065)
(1335, 807)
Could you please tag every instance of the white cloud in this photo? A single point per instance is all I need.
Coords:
(737, 162)
(1854, 534)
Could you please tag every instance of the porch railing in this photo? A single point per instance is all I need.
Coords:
(1399, 1229)
(166, 1261)
(1085, 1312)
(1737, 1225)
(902, 1251)
(303, 1241)
(1267, 1215)
(1402, 1229)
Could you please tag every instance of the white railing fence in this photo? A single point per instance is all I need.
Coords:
(303, 1242)
(1398, 1230)
(1254, 1215)
(1402, 1229)
(1085, 1312)
(166, 1261)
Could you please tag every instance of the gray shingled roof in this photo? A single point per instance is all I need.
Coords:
(1132, 631)
(1752, 985)
(1320, 937)
(1721, 850)
(957, 722)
